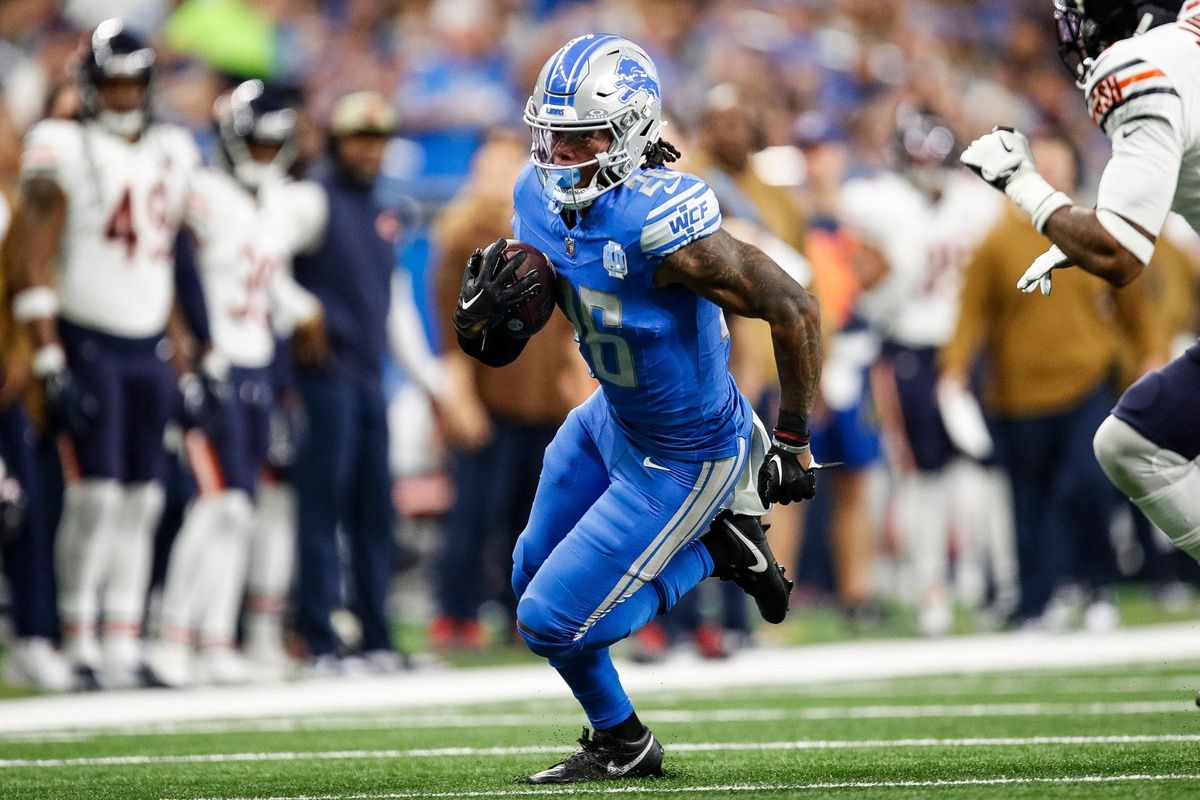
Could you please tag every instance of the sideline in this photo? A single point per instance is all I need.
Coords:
(1158, 644)
(655, 717)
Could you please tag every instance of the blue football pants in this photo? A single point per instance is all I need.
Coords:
(611, 543)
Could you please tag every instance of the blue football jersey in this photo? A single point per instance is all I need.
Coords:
(661, 355)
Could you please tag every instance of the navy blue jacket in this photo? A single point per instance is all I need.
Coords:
(351, 274)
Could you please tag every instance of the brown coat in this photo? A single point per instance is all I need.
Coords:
(1044, 353)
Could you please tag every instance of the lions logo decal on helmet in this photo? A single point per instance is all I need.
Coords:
(633, 78)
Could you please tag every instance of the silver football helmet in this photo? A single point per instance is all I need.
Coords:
(597, 82)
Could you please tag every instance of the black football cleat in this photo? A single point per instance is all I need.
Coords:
(86, 679)
(606, 758)
(738, 545)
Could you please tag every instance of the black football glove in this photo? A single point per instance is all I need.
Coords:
(12, 505)
(193, 403)
(781, 479)
(67, 407)
(489, 292)
(203, 400)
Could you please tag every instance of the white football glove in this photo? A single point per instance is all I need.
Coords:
(1003, 159)
(999, 157)
(963, 419)
(1038, 274)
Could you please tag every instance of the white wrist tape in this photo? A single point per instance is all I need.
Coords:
(1126, 235)
(49, 360)
(34, 303)
(791, 448)
(1036, 197)
(215, 366)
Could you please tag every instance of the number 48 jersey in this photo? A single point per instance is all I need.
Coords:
(661, 355)
(125, 202)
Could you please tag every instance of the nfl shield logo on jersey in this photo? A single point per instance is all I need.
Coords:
(569, 244)
(614, 260)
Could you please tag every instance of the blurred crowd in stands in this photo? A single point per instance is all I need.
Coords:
(829, 130)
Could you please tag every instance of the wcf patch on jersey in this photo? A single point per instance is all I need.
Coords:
(614, 260)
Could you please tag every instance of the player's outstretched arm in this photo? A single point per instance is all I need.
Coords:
(1079, 233)
(1108, 242)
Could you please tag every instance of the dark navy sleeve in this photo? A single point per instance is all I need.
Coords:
(189, 290)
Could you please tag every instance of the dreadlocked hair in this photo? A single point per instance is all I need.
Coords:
(660, 153)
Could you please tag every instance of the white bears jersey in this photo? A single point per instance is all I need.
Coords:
(1144, 93)
(125, 202)
(926, 245)
(245, 248)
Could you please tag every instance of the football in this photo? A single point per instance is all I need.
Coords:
(531, 317)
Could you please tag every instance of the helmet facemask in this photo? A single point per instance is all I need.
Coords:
(613, 165)
(129, 123)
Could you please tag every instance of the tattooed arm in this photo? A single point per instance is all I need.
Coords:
(743, 280)
(1080, 235)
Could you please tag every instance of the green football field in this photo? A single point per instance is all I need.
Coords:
(1127, 732)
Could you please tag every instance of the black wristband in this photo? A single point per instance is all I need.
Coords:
(792, 428)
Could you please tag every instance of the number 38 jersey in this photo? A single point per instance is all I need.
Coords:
(245, 248)
(661, 355)
(125, 202)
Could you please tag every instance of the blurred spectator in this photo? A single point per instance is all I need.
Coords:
(359, 52)
(25, 533)
(511, 414)
(341, 475)
(10, 147)
(455, 91)
(1049, 363)
(32, 75)
(844, 428)
(916, 225)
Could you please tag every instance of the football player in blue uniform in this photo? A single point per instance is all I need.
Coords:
(639, 471)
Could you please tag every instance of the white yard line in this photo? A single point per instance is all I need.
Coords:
(677, 747)
(656, 717)
(734, 788)
(978, 686)
(801, 666)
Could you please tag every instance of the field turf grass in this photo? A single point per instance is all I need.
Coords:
(1127, 732)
